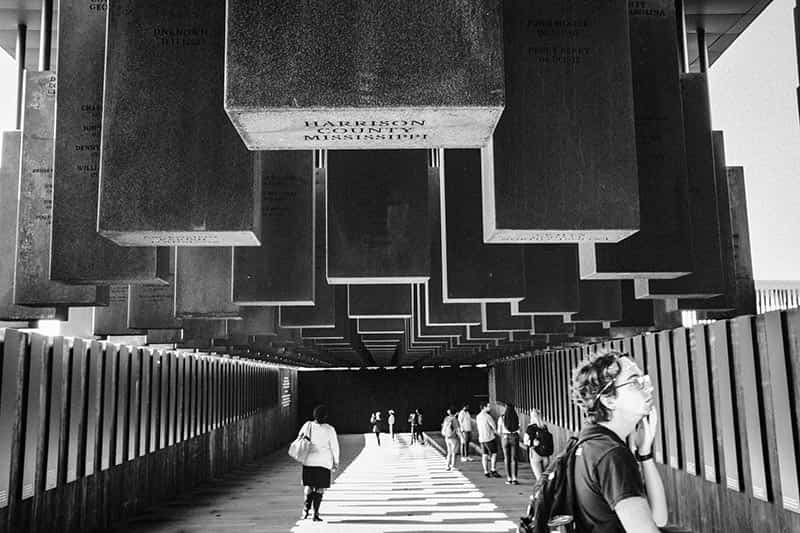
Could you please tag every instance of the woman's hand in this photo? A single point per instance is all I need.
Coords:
(645, 432)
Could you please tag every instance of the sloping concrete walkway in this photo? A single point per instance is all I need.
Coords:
(397, 487)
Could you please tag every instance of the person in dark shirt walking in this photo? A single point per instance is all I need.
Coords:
(612, 494)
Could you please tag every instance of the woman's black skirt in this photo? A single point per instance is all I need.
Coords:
(318, 477)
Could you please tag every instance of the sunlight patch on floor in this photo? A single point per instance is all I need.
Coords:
(399, 487)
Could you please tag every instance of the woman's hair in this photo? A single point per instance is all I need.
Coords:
(321, 414)
(510, 417)
(592, 378)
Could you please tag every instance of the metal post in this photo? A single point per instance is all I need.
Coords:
(702, 49)
(22, 35)
(45, 37)
(683, 52)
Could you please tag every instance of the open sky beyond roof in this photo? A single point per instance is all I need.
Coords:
(754, 101)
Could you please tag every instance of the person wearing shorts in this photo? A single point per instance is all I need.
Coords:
(487, 437)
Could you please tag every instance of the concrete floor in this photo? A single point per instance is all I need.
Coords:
(397, 487)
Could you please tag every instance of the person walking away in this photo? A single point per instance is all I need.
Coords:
(615, 490)
(375, 420)
(391, 420)
(450, 431)
(487, 437)
(322, 459)
(465, 424)
(508, 428)
(412, 423)
(420, 438)
(539, 441)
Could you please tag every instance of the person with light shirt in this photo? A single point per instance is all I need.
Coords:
(487, 437)
(465, 423)
(322, 459)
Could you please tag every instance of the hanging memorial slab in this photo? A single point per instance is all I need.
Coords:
(476, 333)
(420, 319)
(740, 230)
(288, 88)
(255, 321)
(173, 169)
(497, 317)
(568, 92)
(9, 193)
(440, 313)
(204, 283)
(380, 325)
(113, 320)
(661, 249)
(342, 327)
(551, 280)
(379, 301)
(724, 304)
(707, 278)
(473, 272)
(636, 313)
(152, 307)
(79, 254)
(377, 217)
(601, 301)
(322, 313)
(32, 285)
(281, 270)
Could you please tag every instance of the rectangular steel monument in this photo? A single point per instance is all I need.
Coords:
(318, 74)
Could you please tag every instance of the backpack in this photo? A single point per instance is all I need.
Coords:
(553, 498)
(545, 438)
(447, 427)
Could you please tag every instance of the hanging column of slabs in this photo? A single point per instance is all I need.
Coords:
(380, 325)
(416, 339)
(496, 317)
(601, 301)
(173, 170)
(440, 313)
(568, 91)
(204, 282)
(412, 343)
(379, 301)
(661, 249)
(377, 213)
(287, 87)
(282, 269)
(79, 254)
(551, 280)
(32, 285)
(342, 327)
(255, 321)
(9, 193)
(322, 313)
(727, 301)
(707, 278)
(420, 318)
(473, 272)
(113, 319)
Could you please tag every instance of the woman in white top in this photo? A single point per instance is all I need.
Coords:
(323, 457)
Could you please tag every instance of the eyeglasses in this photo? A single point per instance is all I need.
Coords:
(640, 382)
